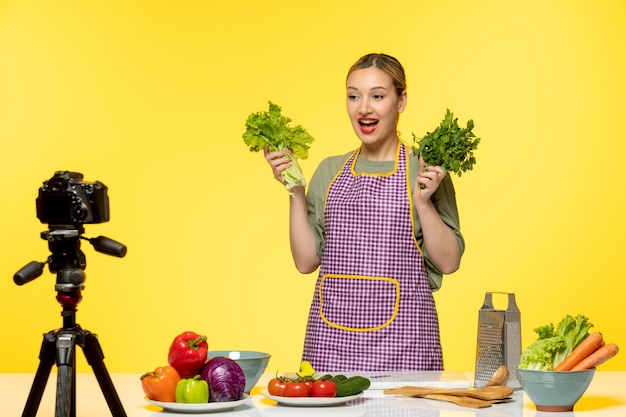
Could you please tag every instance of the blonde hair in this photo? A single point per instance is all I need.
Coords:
(385, 63)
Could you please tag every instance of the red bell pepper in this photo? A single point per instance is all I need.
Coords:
(188, 353)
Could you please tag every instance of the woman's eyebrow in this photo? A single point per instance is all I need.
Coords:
(373, 88)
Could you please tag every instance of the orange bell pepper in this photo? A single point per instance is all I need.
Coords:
(160, 385)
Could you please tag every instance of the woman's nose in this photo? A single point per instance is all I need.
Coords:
(364, 106)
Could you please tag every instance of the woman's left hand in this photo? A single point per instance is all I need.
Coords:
(439, 239)
(430, 177)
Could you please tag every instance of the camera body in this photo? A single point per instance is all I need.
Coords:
(65, 200)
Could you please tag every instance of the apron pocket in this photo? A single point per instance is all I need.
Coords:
(358, 303)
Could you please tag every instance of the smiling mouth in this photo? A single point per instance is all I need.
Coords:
(368, 125)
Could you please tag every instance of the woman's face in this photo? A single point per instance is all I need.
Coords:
(373, 105)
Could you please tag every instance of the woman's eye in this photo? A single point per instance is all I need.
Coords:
(352, 96)
(378, 96)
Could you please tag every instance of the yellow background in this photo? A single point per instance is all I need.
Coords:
(150, 97)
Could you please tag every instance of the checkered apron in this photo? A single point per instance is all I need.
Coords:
(372, 308)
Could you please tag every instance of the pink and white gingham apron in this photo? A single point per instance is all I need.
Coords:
(372, 308)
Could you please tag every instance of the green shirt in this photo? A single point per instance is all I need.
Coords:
(444, 199)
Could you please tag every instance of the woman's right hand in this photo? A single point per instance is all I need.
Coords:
(278, 161)
(301, 236)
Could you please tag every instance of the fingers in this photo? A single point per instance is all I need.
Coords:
(430, 171)
(272, 155)
(430, 176)
(278, 162)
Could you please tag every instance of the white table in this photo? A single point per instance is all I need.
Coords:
(605, 397)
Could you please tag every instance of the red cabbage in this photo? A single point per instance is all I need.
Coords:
(225, 378)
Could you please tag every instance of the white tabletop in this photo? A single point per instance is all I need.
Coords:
(605, 397)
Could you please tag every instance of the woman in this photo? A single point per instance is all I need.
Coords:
(382, 227)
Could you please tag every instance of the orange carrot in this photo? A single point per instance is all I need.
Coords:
(598, 357)
(585, 348)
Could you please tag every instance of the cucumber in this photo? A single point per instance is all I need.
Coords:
(326, 377)
(352, 386)
(338, 378)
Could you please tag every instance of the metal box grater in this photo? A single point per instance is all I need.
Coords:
(499, 341)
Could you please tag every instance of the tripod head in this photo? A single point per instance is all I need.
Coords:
(67, 259)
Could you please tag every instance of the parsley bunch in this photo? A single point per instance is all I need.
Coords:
(271, 129)
(449, 145)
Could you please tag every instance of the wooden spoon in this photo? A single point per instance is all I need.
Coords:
(499, 377)
(462, 401)
(484, 393)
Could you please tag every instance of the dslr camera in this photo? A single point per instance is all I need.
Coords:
(66, 200)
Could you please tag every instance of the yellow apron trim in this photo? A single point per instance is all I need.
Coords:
(361, 329)
(408, 154)
(387, 174)
(330, 184)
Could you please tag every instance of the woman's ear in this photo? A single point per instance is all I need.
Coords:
(402, 102)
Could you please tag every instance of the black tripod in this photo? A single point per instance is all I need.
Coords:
(59, 346)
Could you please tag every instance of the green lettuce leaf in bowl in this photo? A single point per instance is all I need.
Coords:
(555, 343)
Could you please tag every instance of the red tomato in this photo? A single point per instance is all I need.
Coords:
(296, 389)
(324, 389)
(309, 383)
(276, 387)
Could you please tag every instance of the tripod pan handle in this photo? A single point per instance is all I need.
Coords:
(29, 272)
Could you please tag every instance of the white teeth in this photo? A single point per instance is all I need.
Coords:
(367, 122)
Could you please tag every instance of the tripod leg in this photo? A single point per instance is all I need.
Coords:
(93, 353)
(46, 360)
(66, 377)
